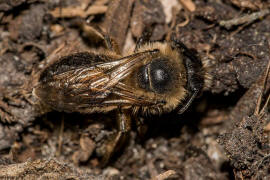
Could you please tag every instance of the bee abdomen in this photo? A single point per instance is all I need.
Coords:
(71, 62)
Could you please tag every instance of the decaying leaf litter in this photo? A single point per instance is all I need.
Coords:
(224, 134)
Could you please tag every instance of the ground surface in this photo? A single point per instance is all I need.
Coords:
(224, 135)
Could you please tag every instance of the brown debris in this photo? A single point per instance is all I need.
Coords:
(247, 19)
(78, 11)
(148, 14)
(28, 26)
(267, 127)
(214, 117)
(231, 68)
(170, 8)
(164, 175)
(51, 169)
(117, 20)
(245, 141)
(7, 5)
(188, 4)
(87, 147)
(248, 103)
(249, 4)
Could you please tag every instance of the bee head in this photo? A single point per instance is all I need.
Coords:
(162, 77)
(173, 76)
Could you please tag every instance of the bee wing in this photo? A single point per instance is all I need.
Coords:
(83, 89)
(131, 98)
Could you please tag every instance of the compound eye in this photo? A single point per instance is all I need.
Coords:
(161, 76)
(143, 77)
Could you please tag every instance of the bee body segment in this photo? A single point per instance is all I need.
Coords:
(157, 78)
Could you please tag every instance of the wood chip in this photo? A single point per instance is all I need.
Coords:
(56, 28)
(164, 175)
(188, 4)
(78, 11)
(117, 20)
(168, 6)
(267, 128)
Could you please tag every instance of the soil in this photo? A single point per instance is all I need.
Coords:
(223, 135)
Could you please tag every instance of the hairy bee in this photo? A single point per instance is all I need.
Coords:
(155, 78)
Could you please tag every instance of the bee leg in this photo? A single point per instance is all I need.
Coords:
(145, 38)
(111, 44)
(124, 126)
(141, 127)
(99, 35)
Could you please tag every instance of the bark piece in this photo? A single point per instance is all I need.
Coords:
(148, 14)
(117, 20)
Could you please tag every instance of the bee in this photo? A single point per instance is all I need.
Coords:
(157, 77)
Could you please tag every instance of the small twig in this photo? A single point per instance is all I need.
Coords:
(266, 75)
(164, 175)
(70, 12)
(246, 19)
(184, 23)
(60, 137)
